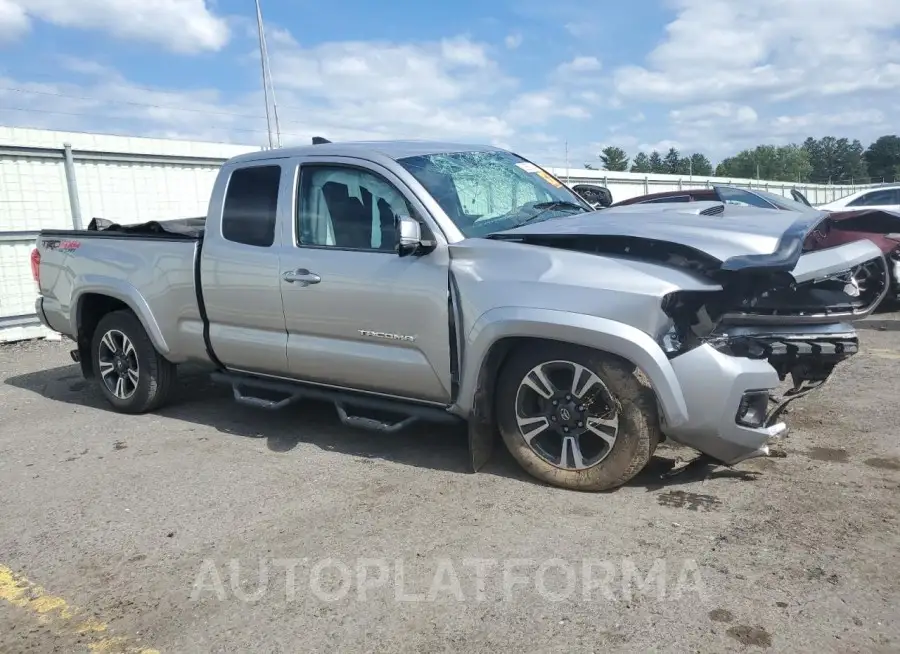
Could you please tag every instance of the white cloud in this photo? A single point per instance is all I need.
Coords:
(725, 50)
(112, 104)
(580, 65)
(818, 121)
(725, 76)
(513, 41)
(13, 20)
(356, 89)
(185, 26)
(539, 107)
(662, 146)
(714, 114)
(463, 52)
(447, 89)
(581, 30)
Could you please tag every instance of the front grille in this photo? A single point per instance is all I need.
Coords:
(812, 357)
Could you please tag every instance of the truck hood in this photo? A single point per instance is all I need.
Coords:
(760, 239)
(756, 256)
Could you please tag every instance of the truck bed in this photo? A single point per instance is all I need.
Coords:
(150, 267)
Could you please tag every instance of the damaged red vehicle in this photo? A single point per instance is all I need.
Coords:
(880, 226)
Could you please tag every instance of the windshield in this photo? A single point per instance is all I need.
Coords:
(785, 203)
(488, 192)
(761, 199)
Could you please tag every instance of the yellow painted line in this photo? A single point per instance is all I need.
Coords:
(17, 590)
(883, 353)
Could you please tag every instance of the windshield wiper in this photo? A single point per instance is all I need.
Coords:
(559, 204)
(549, 206)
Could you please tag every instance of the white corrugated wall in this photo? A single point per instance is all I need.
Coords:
(120, 178)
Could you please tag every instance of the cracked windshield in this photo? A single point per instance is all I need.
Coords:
(488, 192)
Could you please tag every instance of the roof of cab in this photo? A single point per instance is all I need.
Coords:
(391, 149)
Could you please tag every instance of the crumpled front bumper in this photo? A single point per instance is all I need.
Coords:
(713, 385)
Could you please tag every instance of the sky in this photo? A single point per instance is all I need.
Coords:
(549, 80)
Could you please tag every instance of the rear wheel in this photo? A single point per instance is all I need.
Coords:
(132, 375)
(575, 417)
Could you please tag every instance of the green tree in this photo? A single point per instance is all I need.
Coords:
(835, 160)
(854, 163)
(672, 162)
(883, 158)
(614, 158)
(656, 163)
(700, 165)
(785, 163)
(641, 163)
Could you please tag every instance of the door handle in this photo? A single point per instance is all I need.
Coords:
(301, 276)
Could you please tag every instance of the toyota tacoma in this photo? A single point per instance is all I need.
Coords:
(415, 282)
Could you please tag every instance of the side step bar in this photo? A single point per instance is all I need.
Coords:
(252, 391)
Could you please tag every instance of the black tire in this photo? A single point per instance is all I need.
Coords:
(635, 403)
(156, 375)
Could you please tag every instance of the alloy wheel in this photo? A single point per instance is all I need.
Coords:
(567, 415)
(119, 366)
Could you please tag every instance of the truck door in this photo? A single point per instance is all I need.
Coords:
(240, 273)
(358, 315)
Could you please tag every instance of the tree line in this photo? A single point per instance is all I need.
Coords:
(828, 160)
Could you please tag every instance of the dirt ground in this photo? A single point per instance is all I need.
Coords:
(211, 527)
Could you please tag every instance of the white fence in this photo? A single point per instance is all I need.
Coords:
(630, 185)
(61, 180)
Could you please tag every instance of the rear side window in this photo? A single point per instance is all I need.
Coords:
(886, 196)
(743, 198)
(248, 216)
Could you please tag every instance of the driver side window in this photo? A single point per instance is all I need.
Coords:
(348, 208)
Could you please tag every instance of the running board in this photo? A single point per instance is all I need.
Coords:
(250, 390)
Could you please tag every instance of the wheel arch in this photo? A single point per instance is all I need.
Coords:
(93, 303)
(499, 331)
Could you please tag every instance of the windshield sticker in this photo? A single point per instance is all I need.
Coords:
(547, 177)
(528, 167)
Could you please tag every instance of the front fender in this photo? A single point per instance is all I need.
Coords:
(121, 290)
(579, 329)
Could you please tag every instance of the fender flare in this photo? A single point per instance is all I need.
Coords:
(580, 329)
(121, 290)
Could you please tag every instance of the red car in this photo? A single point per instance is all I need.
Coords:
(878, 225)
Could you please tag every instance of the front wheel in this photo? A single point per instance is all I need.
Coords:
(575, 417)
(133, 376)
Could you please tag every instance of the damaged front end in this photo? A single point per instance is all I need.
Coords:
(777, 316)
(789, 330)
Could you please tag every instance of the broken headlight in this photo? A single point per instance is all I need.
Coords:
(689, 321)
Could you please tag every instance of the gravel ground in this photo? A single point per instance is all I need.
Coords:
(211, 527)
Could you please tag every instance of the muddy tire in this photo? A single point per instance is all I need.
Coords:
(576, 417)
(131, 374)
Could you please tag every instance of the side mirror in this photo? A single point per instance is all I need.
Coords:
(409, 235)
(595, 195)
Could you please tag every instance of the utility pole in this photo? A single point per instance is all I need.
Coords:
(567, 162)
(267, 81)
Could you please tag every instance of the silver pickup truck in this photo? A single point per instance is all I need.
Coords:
(416, 281)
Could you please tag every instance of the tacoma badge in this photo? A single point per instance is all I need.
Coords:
(385, 335)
